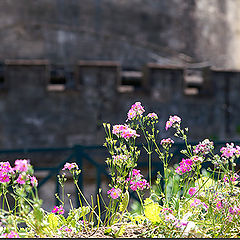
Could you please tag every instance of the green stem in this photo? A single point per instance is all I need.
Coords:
(79, 190)
(140, 198)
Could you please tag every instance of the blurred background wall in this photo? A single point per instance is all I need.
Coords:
(131, 32)
(67, 66)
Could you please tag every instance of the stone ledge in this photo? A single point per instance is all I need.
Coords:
(26, 62)
(160, 66)
(99, 63)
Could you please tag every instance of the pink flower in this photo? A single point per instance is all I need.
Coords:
(131, 114)
(167, 142)
(135, 172)
(67, 229)
(228, 151)
(55, 209)
(5, 167)
(114, 193)
(136, 181)
(58, 210)
(234, 210)
(192, 191)
(127, 134)
(197, 159)
(117, 129)
(21, 179)
(21, 165)
(170, 217)
(34, 181)
(197, 203)
(135, 111)
(219, 205)
(172, 121)
(175, 119)
(134, 186)
(185, 166)
(11, 235)
(237, 151)
(203, 147)
(166, 211)
(61, 210)
(4, 178)
(142, 184)
(168, 125)
(152, 116)
(235, 177)
(70, 166)
(124, 131)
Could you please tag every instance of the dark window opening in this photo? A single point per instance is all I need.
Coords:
(2, 78)
(193, 81)
(130, 80)
(60, 79)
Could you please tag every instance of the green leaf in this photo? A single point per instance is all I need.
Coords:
(108, 231)
(53, 221)
(76, 214)
(120, 232)
(38, 214)
(125, 201)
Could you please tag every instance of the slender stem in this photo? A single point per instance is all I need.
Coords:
(75, 182)
(140, 198)
(99, 211)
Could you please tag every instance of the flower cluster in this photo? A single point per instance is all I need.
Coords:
(166, 211)
(203, 147)
(219, 205)
(230, 151)
(135, 111)
(173, 122)
(124, 131)
(136, 181)
(5, 171)
(66, 229)
(167, 142)
(12, 234)
(234, 210)
(232, 179)
(120, 159)
(58, 210)
(198, 203)
(22, 178)
(34, 181)
(70, 166)
(197, 159)
(114, 193)
(22, 165)
(185, 166)
(192, 191)
(153, 116)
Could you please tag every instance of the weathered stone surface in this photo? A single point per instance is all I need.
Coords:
(132, 32)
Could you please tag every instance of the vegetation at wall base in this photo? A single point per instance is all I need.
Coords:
(185, 201)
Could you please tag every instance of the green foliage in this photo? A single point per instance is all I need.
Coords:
(184, 201)
(53, 221)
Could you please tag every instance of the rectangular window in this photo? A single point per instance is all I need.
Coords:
(130, 81)
(60, 79)
(2, 78)
(193, 81)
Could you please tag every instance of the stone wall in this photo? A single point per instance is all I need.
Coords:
(131, 32)
(36, 112)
